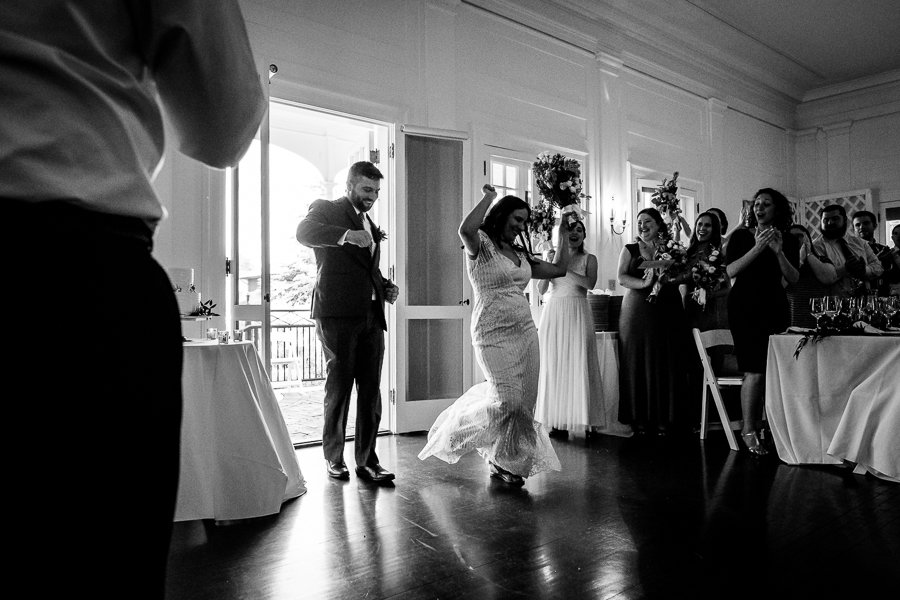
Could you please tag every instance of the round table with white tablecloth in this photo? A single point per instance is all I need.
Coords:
(237, 459)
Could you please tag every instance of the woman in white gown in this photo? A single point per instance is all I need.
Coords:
(570, 386)
(496, 417)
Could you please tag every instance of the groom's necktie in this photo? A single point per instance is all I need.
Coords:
(368, 227)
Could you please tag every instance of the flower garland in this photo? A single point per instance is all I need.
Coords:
(559, 183)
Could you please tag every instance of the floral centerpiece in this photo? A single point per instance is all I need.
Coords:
(708, 273)
(560, 186)
(205, 309)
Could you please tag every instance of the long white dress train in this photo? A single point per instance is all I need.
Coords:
(496, 417)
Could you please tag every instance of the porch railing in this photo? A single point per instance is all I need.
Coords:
(297, 355)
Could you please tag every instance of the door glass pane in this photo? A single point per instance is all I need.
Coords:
(248, 266)
(434, 211)
(496, 174)
(435, 346)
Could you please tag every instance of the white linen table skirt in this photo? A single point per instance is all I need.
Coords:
(838, 401)
(608, 405)
(237, 459)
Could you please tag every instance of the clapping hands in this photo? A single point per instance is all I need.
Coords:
(770, 238)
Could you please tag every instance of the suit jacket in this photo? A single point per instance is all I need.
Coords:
(346, 275)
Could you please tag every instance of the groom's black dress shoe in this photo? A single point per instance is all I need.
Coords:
(375, 474)
(338, 470)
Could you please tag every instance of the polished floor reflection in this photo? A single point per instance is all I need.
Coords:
(626, 518)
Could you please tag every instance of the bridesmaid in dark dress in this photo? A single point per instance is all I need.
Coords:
(706, 238)
(757, 306)
(654, 339)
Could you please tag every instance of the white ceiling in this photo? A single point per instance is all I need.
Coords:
(786, 51)
(836, 40)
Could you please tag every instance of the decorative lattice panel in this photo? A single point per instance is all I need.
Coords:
(808, 211)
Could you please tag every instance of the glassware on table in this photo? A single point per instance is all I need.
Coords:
(892, 307)
(817, 308)
(212, 334)
(832, 306)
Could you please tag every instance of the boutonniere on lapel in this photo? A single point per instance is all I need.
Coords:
(378, 234)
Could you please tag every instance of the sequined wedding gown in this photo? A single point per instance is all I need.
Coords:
(496, 417)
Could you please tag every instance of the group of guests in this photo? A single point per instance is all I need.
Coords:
(545, 377)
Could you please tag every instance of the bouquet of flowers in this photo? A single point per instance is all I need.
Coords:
(708, 274)
(558, 179)
(541, 225)
(674, 254)
(559, 182)
(664, 198)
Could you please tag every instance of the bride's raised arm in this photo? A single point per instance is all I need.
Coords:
(550, 270)
(468, 229)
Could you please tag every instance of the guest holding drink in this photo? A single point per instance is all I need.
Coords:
(758, 259)
(654, 338)
(496, 417)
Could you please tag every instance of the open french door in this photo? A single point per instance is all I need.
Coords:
(432, 350)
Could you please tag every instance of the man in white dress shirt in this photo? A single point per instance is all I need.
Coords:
(93, 360)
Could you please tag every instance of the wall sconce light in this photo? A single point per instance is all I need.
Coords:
(612, 220)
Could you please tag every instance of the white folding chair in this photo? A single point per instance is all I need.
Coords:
(712, 382)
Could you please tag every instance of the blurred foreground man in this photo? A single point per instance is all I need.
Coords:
(93, 357)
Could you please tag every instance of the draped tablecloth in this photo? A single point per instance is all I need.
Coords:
(839, 400)
(237, 459)
(606, 412)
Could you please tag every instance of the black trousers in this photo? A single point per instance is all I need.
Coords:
(93, 367)
(354, 351)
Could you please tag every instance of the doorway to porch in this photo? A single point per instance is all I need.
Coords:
(307, 157)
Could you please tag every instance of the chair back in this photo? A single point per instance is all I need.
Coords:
(710, 339)
(705, 340)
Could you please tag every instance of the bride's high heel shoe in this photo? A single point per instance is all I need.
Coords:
(751, 440)
(505, 476)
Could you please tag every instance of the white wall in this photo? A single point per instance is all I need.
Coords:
(449, 65)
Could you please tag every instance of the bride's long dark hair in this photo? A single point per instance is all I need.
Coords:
(496, 217)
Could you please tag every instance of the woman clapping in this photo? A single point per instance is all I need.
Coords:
(758, 258)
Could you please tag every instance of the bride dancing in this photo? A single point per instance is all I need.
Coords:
(496, 417)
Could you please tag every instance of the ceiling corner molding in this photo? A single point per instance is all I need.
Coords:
(565, 26)
(855, 85)
(716, 105)
(609, 60)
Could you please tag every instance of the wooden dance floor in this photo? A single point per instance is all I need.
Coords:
(626, 518)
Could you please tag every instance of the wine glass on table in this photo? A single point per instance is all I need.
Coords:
(817, 309)
(831, 307)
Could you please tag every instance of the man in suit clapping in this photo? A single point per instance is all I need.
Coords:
(348, 306)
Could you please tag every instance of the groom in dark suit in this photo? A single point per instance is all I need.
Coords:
(348, 306)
